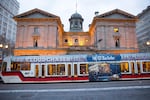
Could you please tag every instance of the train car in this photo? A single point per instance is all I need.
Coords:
(63, 68)
(43, 69)
(135, 66)
(75, 68)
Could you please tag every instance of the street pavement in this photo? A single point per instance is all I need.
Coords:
(114, 90)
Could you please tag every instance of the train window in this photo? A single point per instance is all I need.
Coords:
(83, 68)
(25, 66)
(15, 66)
(52, 69)
(146, 66)
(124, 67)
(49, 69)
(4, 65)
(58, 69)
(61, 69)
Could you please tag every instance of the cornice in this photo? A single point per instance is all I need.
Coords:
(34, 11)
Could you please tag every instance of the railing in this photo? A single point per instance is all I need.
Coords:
(35, 34)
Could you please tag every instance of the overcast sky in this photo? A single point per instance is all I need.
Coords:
(65, 8)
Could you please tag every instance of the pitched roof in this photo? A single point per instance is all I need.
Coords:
(118, 11)
(36, 10)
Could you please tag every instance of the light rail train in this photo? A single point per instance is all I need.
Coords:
(75, 68)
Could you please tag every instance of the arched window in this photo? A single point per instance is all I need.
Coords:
(35, 43)
(117, 43)
(76, 40)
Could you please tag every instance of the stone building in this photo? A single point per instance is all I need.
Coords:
(114, 32)
(42, 33)
(38, 33)
(143, 30)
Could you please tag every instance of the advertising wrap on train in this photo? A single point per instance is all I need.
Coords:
(136, 56)
(103, 57)
(51, 59)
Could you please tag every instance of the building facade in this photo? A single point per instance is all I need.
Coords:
(8, 27)
(143, 30)
(114, 32)
(42, 33)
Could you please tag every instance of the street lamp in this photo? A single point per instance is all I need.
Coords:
(148, 44)
(1, 45)
(2, 49)
(6, 46)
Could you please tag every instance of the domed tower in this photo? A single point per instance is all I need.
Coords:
(76, 21)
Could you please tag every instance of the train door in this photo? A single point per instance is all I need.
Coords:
(132, 67)
(138, 67)
(72, 69)
(43, 69)
(69, 69)
(75, 69)
(135, 67)
(39, 70)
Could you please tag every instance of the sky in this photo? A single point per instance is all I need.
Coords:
(65, 8)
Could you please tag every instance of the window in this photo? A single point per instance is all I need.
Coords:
(66, 40)
(25, 66)
(116, 30)
(58, 69)
(36, 30)
(124, 67)
(51, 69)
(61, 69)
(117, 43)
(83, 68)
(35, 43)
(76, 24)
(76, 40)
(15, 66)
(146, 66)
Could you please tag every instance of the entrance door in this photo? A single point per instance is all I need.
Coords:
(39, 70)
